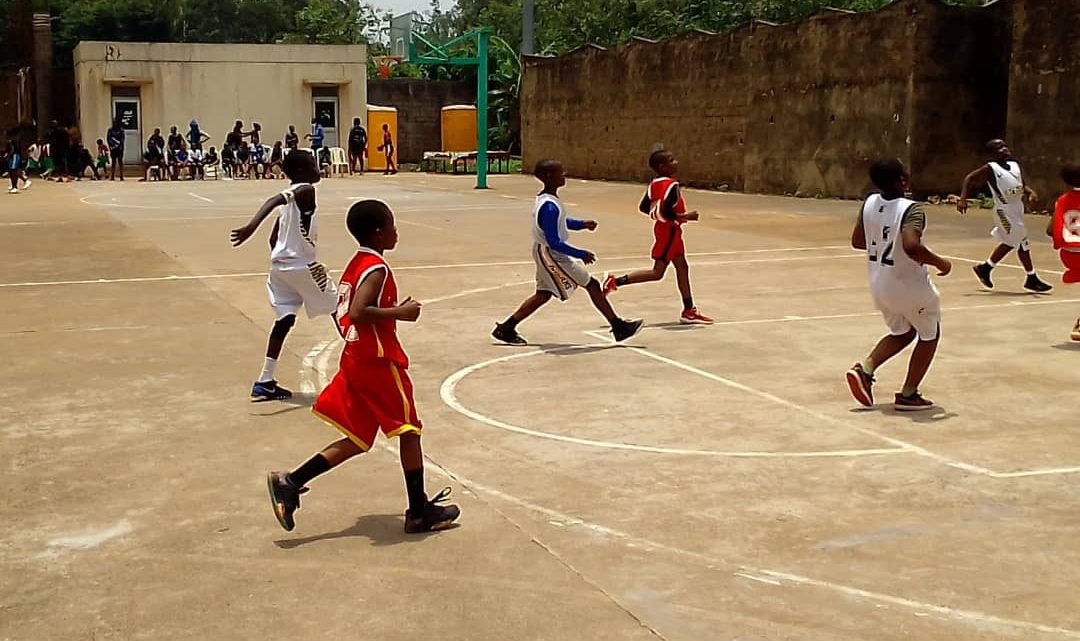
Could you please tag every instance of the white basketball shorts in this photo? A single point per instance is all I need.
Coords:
(558, 273)
(915, 308)
(307, 286)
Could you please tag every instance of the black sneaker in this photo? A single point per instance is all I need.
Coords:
(913, 403)
(982, 271)
(284, 498)
(435, 517)
(1034, 284)
(268, 391)
(508, 335)
(624, 329)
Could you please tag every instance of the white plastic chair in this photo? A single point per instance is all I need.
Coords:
(212, 170)
(339, 162)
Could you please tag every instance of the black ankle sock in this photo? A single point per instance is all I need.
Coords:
(414, 485)
(688, 303)
(302, 475)
(510, 323)
(623, 280)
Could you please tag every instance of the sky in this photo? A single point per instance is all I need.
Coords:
(404, 6)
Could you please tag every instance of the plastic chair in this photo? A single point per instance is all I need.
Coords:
(339, 162)
(212, 170)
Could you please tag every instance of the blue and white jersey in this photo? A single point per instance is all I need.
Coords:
(551, 226)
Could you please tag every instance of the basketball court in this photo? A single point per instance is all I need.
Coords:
(695, 483)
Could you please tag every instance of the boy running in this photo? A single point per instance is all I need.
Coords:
(371, 390)
(1006, 182)
(663, 202)
(560, 267)
(13, 164)
(1064, 228)
(296, 278)
(890, 228)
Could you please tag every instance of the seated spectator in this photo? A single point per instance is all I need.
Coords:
(292, 139)
(102, 159)
(277, 155)
(181, 160)
(228, 161)
(243, 159)
(154, 156)
(259, 161)
(176, 143)
(324, 160)
(197, 162)
(34, 159)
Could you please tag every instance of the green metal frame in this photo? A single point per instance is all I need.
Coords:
(440, 55)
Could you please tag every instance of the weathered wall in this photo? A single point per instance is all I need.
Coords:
(1044, 91)
(960, 86)
(218, 84)
(798, 108)
(419, 104)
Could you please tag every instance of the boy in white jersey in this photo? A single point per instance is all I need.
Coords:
(1006, 182)
(890, 229)
(296, 278)
(560, 267)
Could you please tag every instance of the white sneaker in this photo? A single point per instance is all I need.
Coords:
(13, 191)
(27, 185)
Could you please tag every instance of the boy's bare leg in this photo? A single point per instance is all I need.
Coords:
(530, 305)
(645, 275)
(412, 454)
(600, 302)
(340, 451)
(1025, 260)
(921, 358)
(885, 349)
(682, 274)
(1000, 252)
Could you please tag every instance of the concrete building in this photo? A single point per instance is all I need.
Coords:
(152, 85)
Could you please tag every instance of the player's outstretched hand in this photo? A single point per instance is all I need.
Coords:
(240, 234)
(962, 205)
(944, 267)
(693, 215)
(591, 225)
(410, 310)
(590, 258)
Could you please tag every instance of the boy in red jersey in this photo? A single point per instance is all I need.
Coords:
(371, 390)
(1064, 227)
(663, 203)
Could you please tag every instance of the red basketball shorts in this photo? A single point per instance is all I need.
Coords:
(669, 241)
(368, 396)
(1071, 261)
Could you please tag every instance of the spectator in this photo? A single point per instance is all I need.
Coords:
(78, 157)
(34, 159)
(196, 137)
(228, 161)
(13, 164)
(258, 161)
(176, 143)
(59, 142)
(236, 136)
(243, 159)
(316, 136)
(197, 162)
(292, 139)
(255, 135)
(277, 155)
(115, 137)
(323, 154)
(181, 160)
(154, 155)
(387, 147)
(102, 159)
(357, 146)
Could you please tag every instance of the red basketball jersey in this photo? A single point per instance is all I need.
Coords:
(378, 340)
(1067, 221)
(658, 193)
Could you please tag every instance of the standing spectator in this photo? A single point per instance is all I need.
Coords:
(196, 137)
(292, 139)
(316, 136)
(387, 147)
(102, 159)
(255, 135)
(236, 136)
(34, 161)
(13, 163)
(115, 138)
(357, 145)
(59, 143)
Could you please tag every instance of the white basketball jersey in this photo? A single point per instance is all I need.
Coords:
(538, 231)
(295, 244)
(1007, 186)
(889, 265)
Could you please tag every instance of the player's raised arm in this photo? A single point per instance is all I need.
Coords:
(980, 176)
(241, 234)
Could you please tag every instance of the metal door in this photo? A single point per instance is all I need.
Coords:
(326, 110)
(128, 110)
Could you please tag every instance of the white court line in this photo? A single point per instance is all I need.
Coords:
(202, 198)
(478, 290)
(96, 281)
(803, 409)
(1037, 472)
(308, 363)
(448, 393)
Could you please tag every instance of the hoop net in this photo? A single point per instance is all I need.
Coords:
(384, 63)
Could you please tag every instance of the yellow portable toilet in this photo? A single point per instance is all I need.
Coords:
(378, 116)
(459, 128)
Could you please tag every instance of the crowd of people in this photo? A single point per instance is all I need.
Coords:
(62, 156)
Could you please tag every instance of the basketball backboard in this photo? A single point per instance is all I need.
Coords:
(401, 28)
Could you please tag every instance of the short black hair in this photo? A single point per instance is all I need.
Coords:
(885, 173)
(1071, 174)
(659, 157)
(366, 217)
(545, 167)
(992, 145)
(294, 162)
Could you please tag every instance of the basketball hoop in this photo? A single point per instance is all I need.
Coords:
(384, 63)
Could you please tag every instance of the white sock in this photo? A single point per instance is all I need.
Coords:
(991, 263)
(1031, 273)
(268, 370)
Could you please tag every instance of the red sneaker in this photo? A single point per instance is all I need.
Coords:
(861, 385)
(1076, 331)
(693, 317)
(609, 284)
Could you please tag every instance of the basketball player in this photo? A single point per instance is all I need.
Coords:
(663, 203)
(890, 228)
(1006, 182)
(296, 278)
(1064, 228)
(560, 267)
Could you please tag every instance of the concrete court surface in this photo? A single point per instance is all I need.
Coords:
(702, 483)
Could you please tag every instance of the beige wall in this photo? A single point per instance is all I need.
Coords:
(219, 84)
